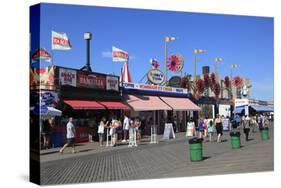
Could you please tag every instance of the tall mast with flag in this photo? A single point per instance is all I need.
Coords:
(60, 41)
(119, 55)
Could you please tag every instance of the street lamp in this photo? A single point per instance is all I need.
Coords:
(195, 60)
(166, 40)
(87, 37)
(217, 59)
(232, 66)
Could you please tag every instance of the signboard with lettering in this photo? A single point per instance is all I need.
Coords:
(67, 77)
(48, 98)
(90, 80)
(241, 102)
(112, 83)
(155, 88)
(155, 76)
(169, 131)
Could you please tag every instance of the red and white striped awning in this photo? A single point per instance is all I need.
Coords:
(126, 76)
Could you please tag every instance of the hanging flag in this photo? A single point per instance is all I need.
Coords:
(60, 41)
(126, 76)
(119, 55)
(168, 39)
(154, 63)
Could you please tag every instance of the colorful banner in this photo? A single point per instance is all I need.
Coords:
(88, 80)
(60, 41)
(67, 77)
(112, 83)
(119, 55)
(155, 76)
(42, 78)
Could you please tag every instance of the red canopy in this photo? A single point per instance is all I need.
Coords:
(115, 105)
(80, 105)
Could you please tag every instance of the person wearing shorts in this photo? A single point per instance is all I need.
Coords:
(102, 125)
(218, 123)
(70, 136)
(210, 130)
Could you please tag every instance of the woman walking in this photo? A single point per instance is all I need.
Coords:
(201, 127)
(206, 122)
(132, 134)
(218, 123)
(137, 123)
(190, 128)
(114, 125)
(103, 124)
(211, 130)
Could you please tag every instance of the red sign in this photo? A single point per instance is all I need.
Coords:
(89, 80)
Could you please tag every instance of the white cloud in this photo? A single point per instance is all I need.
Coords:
(106, 54)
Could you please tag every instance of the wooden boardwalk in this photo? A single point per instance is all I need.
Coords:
(163, 160)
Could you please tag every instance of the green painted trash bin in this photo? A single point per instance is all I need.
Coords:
(195, 149)
(235, 140)
(264, 133)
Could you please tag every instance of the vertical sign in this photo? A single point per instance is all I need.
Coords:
(67, 77)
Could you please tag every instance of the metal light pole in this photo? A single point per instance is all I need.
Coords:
(195, 61)
(232, 66)
(166, 40)
(87, 37)
(217, 59)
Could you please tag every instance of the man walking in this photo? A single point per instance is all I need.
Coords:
(246, 126)
(70, 136)
(125, 128)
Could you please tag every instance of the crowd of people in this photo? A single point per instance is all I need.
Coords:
(206, 128)
(131, 129)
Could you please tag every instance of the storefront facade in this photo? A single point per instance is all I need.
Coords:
(159, 105)
(86, 96)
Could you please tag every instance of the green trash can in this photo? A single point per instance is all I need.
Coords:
(195, 149)
(235, 140)
(264, 133)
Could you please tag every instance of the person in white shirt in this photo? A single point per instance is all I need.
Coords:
(70, 136)
(103, 124)
(125, 128)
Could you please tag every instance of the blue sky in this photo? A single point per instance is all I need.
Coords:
(243, 40)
